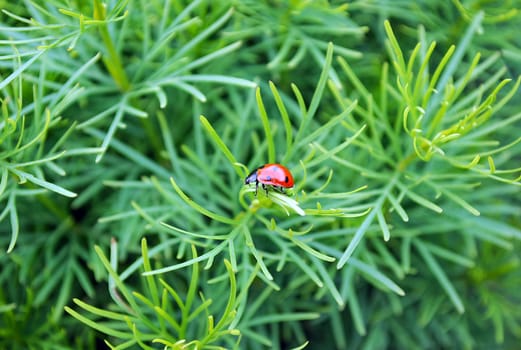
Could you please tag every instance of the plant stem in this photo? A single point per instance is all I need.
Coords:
(404, 163)
(112, 60)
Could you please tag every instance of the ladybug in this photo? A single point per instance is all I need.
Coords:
(275, 175)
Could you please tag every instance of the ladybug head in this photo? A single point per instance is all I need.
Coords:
(252, 178)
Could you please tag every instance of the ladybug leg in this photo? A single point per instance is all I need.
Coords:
(256, 187)
(265, 188)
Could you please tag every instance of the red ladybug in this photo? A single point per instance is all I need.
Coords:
(275, 175)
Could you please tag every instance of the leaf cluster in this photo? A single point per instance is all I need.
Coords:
(136, 118)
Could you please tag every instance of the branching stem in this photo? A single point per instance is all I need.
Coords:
(112, 60)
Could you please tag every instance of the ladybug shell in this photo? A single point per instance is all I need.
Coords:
(271, 174)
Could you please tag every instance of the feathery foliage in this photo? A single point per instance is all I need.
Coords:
(128, 127)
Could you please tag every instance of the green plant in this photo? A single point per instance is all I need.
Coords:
(162, 314)
(253, 236)
(291, 32)
(140, 118)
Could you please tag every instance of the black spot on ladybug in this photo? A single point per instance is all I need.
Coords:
(268, 178)
(286, 179)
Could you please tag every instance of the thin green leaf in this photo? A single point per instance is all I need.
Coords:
(285, 119)
(199, 208)
(440, 275)
(449, 255)
(98, 326)
(377, 276)
(20, 69)
(116, 121)
(117, 281)
(13, 217)
(398, 207)
(419, 199)
(221, 145)
(99, 311)
(42, 183)
(329, 283)
(317, 95)
(383, 225)
(460, 201)
(359, 234)
(268, 135)
(151, 281)
(258, 257)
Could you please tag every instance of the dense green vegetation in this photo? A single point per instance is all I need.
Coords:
(128, 128)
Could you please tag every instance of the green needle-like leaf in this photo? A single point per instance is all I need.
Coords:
(440, 276)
